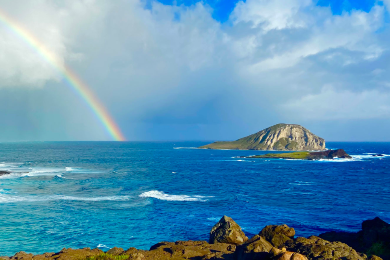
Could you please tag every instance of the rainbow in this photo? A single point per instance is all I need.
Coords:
(73, 81)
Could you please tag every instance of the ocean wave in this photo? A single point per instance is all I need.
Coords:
(302, 183)
(14, 199)
(185, 148)
(103, 246)
(74, 169)
(356, 158)
(17, 170)
(44, 171)
(337, 160)
(13, 175)
(214, 219)
(162, 196)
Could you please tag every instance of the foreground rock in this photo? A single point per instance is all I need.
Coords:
(317, 248)
(274, 242)
(199, 250)
(227, 231)
(277, 235)
(283, 137)
(374, 238)
(328, 154)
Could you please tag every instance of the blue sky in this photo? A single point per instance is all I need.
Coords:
(216, 70)
(223, 8)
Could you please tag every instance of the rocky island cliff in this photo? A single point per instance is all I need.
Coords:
(282, 137)
(227, 241)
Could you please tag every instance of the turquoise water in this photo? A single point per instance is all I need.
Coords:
(133, 194)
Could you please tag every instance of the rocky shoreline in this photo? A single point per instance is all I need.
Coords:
(228, 242)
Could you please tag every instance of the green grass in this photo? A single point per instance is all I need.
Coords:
(294, 155)
(378, 249)
(106, 256)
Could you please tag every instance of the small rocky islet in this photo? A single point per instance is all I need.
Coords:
(304, 155)
(228, 242)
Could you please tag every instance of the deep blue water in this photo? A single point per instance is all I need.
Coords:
(133, 194)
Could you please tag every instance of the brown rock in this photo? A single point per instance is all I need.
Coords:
(275, 251)
(22, 256)
(136, 256)
(227, 231)
(373, 239)
(277, 235)
(290, 256)
(255, 248)
(374, 257)
(115, 251)
(190, 250)
(76, 254)
(318, 248)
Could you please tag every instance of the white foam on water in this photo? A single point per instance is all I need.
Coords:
(74, 169)
(356, 158)
(103, 246)
(162, 196)
(17, 170)
(233, 160)
(14, 199)
(337, 160)
(44, 171)
(302, 183)
(185, 148)
(214, 219)
(13, 175)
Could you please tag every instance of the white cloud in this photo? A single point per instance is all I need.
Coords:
(176, 64)
(332, 104)
(21, 64)
(277, 14)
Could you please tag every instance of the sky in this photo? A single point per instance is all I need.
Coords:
(198, 70)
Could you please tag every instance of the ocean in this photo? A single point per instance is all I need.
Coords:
(135, 194)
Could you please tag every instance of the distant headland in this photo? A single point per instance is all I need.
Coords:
(281, 137)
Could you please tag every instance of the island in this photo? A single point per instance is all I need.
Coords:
(304, 155)
(281, 137)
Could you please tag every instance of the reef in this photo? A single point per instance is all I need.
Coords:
(328, 154)
(2, 173)
(228, 242)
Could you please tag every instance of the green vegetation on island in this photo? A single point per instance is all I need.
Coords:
(328, 154)
(294, 155)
